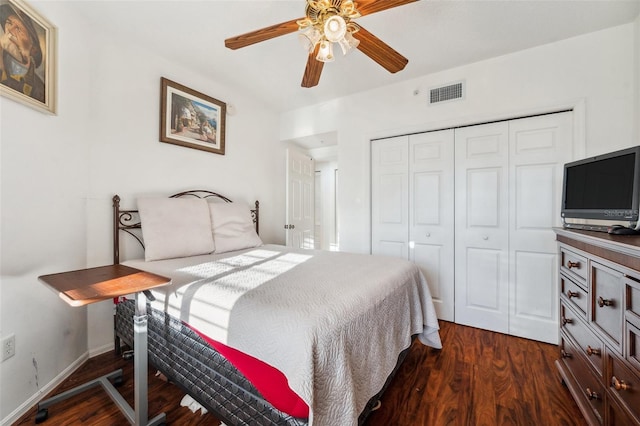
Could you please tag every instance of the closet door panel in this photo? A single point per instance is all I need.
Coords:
(430, 259)
(431, 214)
(481, 228)
(483, 279)
(390, 197)
(426, 190)
(483, 197)
(539, 147)
(534, 198)
(392, 248)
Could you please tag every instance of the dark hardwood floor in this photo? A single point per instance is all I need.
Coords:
(479, 378)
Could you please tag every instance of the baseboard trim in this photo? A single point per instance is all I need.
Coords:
(44, 391)
(101, 350)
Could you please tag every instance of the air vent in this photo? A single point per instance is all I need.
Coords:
(447, 93)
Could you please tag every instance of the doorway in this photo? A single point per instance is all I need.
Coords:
(324, 227)
(326, 201)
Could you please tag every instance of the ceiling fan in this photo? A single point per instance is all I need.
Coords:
(328, 22)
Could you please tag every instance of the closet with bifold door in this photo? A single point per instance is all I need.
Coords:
(474, 208)
(412, 207)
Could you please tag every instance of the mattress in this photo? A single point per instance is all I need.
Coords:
(189, 362)
(332, 323)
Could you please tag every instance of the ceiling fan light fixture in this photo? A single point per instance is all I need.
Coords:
(325, 52)
(340, 29)
(335, 28)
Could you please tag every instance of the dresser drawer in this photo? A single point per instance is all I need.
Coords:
(632, 301)
(587, 343)
(577, 296)
(573, 265)
(589, 388)
(624, 385)
(632, 346)
(607, 308)
(618, 416)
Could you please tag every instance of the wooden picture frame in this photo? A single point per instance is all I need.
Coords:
(192, 119)
(28, 56)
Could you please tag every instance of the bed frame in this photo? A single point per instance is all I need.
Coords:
(129, 220)
(190, 362)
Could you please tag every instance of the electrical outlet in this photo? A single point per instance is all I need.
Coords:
(8, 346)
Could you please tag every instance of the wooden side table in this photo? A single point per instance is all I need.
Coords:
(79, 288)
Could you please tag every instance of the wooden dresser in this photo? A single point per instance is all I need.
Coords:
(599, 347)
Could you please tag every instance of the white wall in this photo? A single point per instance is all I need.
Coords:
(43, 194)
(596, 72)
(60, 172)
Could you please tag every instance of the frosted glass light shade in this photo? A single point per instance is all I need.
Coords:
(309, 38)
(335, 28)
(348, 42)
(325, 53)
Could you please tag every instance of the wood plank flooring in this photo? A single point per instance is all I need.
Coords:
(479, 378)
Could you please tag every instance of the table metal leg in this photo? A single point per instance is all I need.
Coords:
(140, 364)
(139, 416)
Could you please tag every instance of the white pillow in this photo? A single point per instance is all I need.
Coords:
(233, 227)
(175, 227)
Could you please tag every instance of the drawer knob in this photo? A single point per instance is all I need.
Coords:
(619, 384)
(565, 354)
(592, 351)
(571, 265)
(571, 294)
(592, 394)
(566, 321)
(604, 302)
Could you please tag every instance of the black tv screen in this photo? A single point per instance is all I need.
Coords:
(603, 187)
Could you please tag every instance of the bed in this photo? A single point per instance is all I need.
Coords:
(262, 334)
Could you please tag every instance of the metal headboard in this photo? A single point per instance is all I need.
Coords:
(129, 220)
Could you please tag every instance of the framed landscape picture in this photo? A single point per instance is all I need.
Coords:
(27, 56)
(191, 118)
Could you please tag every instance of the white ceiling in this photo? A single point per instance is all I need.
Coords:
(433, 34)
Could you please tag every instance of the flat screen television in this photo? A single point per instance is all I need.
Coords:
(604, 187)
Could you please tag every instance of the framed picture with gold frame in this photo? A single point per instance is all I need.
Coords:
(27, 56)
(191, 118)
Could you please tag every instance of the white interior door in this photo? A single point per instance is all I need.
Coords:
(539, 147)
(300, 199)
(481, 228)
(431, 214)
(390, 197)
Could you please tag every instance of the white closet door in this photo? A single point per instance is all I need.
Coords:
(539, 146)
(390, 197)
(482, 228)
(431, 214)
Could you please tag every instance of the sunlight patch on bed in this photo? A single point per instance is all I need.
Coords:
(222, 266)
(206, 269)
(206, 304)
